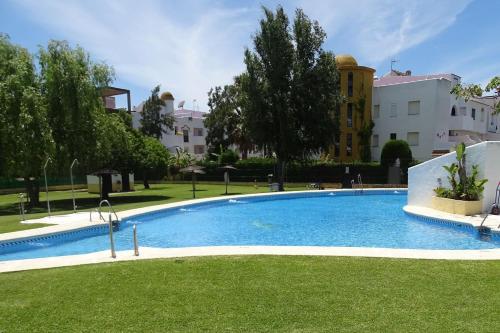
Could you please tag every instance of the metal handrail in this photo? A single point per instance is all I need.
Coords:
(111, 210)
(110, 223)
(360, 182)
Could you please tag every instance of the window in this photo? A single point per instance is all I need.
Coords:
(176, 129)
(463, 111)
(350, 79)
(473, 113)
(375, 140)
(394, 110)
(376, 111)
(348, 146)
(393, 136)
(185, 133)
(413, 107)
(412, 138)
(199, 149)
(453, 111)
(198, 131)
(482, 114)
(336, 144)
(349, 114)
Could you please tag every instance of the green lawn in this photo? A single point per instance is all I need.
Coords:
(60, 201)
(256, 294)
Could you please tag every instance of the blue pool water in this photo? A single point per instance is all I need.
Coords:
(311, 219)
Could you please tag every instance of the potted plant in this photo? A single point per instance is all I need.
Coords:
(465, 195)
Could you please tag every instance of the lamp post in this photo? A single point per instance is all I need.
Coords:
(46, 185)
(75, 161)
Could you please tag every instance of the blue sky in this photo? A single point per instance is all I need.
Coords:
(190, 46)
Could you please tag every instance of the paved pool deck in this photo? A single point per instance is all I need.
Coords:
(63, 223)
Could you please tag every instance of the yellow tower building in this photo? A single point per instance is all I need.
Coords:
(356, 83)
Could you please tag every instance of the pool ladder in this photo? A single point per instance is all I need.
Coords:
(360, 185)
(111, 224)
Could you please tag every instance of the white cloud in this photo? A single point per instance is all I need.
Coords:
(189, 47)
(186, 50)
(376, 30)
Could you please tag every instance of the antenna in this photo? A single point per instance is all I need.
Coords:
(393, 61)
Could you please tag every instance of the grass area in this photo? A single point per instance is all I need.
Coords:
(256, 294)
(61, 202)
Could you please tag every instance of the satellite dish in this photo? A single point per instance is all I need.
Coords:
(181, 104)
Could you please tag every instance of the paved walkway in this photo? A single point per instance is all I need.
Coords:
(492, 221)
(154, 253)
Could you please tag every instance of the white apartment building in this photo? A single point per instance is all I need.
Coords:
(189, 131)
(421, 110)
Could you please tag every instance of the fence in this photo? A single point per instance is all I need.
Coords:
(14, 183)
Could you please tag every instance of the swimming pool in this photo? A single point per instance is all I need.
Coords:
(342, 219)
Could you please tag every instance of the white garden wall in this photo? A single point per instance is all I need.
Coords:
(423, 178)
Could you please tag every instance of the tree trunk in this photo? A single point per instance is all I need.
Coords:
(33, 191)
(280, 174)
(125, 182)
(145, 180)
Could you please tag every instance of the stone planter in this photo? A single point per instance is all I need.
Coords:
(460, 207)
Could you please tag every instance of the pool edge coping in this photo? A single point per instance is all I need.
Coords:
(158, 253)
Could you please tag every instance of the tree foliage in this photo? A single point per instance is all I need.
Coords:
(155, 159)
(71, 84)
(292, 88)
(25, 136)
(468, 91)
(153, 122)
(224, 122)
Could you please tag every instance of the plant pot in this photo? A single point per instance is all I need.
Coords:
(460, 207)
(443, 204)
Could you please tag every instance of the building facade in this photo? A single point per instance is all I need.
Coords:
(356, 83)
(421, 111)
(189, 131)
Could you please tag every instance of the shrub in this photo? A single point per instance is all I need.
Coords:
(393, 150)
(228, 157)
(468, 188)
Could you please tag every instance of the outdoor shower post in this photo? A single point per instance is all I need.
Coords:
(46, 185)
(72, 185)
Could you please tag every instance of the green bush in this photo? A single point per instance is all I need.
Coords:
(393, 150)
(228, 157)
(313, 171)
(468, 187)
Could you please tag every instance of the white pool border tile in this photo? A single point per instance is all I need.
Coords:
(154, 253)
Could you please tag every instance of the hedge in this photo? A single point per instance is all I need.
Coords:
(325, 172)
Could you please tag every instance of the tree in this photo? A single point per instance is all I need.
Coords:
(71, 84)
(228, 157)
(25, 137)
(292, 89)
(394, 149)
(155, 159)
(224, 122)
(153, 122)
(468, 91)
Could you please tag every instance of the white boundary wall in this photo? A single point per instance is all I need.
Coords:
(423, 178)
